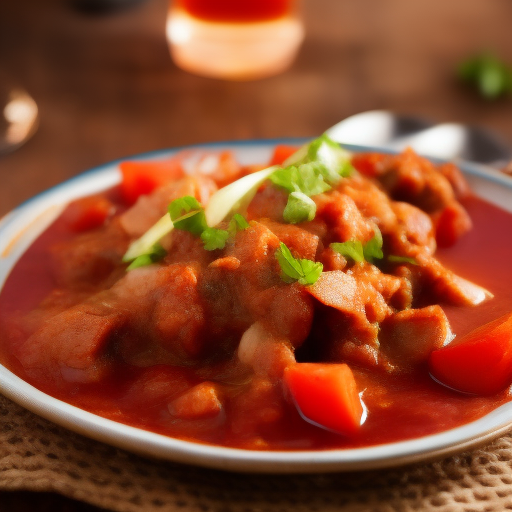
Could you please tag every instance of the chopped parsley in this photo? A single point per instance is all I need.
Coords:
(187, 214)
(214, 238)
(156, 254)
(299, 208)
(392, 258)
(237, 223)
(370, 251)
(319, 167)
(304, 271)
(352, 249)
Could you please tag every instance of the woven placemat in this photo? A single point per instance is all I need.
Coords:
(37, 455)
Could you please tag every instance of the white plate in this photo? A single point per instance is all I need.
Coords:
(19, 228)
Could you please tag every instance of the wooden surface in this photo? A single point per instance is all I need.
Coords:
(106, 88)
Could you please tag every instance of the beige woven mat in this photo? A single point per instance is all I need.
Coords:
(39, 456)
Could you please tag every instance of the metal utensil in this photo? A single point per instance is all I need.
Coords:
(383, 129)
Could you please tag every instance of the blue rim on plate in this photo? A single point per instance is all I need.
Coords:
(20, 227)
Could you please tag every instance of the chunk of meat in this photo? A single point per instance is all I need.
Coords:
(268, 203)
(343, 292)
(89, 259)
(452, 222)
(413, 230)
(72, 346)
(411, 178)
(343, 218)
(447, 286)
(167, 319)
(408, 337)
(302, 243)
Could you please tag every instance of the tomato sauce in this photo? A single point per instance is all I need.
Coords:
(235, 11)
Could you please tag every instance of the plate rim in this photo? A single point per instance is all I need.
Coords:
(158, 446)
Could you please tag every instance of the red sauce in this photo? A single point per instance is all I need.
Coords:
(236, 11)
(401, 407)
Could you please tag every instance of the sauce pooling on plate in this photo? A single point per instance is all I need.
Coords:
(313, 313)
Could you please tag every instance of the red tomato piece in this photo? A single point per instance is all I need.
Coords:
(480, 362)
(326, 395)
(140, 178)
(88, 213)
(281, 153)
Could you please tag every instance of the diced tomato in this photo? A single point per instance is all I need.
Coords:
(326, 395)
(140, 178)
(88, 213)
(368, 163)
(480, 362)
(281, 153)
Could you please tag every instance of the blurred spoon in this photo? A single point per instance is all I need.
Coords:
(19, 118)
(383, 129)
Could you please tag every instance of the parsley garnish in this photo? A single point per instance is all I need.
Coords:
(187, 214)
(236, 224)
(357, 251)
(304, 271)
(214, 238)
(299, 208)
(156, 254)
(319, 167)
(350, 249)
(392, 258)
(371, 251)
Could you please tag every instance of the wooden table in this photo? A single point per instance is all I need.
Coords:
(106, 88)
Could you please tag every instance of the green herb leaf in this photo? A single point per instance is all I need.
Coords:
(214, 238)
(372, 249)
(357, 251)
(157, 253)
(237, 223)
(350, 249)
(488, 74)
(335, 159)
(402, 259)
(304, 271)
(299, 208)
(187, 214)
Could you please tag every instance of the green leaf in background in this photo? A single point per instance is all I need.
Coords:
(488, 74)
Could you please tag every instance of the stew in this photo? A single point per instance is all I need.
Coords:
(329, 301)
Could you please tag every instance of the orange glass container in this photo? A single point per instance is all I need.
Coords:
(234, 39)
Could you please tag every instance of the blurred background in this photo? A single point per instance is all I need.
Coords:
(106, 87)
